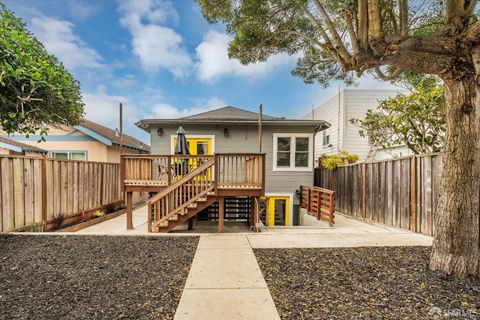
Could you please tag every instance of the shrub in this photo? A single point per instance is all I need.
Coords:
(334, 161)
(98, 214)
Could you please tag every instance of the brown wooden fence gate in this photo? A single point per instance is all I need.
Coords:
(400, 192)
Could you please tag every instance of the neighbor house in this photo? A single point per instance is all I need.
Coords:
(86, 141)
(288, 145)
(343, 135)
(12, 147)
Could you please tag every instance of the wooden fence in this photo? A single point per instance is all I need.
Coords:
(36, 190)
(400, 192)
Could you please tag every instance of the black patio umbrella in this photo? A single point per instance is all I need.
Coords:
(181, 147)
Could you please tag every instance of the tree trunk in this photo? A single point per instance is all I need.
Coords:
(456, 246)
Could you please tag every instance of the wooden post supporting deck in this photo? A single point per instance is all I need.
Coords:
(129, 210)
(221, 214)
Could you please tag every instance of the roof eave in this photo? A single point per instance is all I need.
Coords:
(145, 124)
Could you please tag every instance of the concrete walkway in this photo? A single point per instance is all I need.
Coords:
(225, 282)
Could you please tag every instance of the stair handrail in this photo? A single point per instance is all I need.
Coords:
(176, 184)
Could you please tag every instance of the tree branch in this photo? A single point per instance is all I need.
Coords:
(403, 8)
(351, 32)
(388, 77)
(339, 45)
(363, 23)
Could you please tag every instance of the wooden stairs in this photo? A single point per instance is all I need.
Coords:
(182, 199)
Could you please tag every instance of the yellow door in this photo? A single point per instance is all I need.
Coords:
(198, 146)
(278, 211)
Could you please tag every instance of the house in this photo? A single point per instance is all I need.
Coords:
(12, 147)
(86, 141)
(239, 168)
(344, 135)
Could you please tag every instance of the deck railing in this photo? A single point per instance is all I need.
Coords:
(319, 202)
(229, 171)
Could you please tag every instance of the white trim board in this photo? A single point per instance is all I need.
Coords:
(192, 136)
(292, 151)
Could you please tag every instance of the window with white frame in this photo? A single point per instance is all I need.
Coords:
(292, 152)
(69, 155)
(326, 138)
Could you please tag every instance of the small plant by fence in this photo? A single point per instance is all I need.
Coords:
(402, 192)
(36, 191)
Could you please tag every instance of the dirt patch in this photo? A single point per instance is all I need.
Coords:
(364, 283)
(93, 277)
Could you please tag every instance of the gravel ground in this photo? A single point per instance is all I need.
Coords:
(93, 277)
(365, 283)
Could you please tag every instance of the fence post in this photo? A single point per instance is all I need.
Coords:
(364, 191)
(413, 192)
(44, 194)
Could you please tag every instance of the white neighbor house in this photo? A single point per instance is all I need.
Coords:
(342, 134)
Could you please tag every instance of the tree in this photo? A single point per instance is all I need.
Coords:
(416, 120)
(35, 89)
(343, 39)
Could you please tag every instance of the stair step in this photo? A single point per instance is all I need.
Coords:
(192, 206)
(173, 218)
(202, 200)
(163, 224)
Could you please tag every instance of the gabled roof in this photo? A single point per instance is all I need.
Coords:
(233, 116)
(109, 136)
(18, 146)
(229, 113)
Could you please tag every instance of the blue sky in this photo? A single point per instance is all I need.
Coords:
(161, 59)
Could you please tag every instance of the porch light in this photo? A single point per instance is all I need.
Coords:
(160, 132)
(226, 133)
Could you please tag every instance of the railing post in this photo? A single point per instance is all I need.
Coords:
(216, 173)
(129, 210)
(149, 218)
(263, 174)
(332, 209)
(169, 169)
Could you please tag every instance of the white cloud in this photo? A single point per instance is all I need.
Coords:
(60, 40)
(155, 45)
(214, 63)
(81, 10)
(167, 111)
(127, 81)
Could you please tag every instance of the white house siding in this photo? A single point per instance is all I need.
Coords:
(243, 139)
(343, 134)
(327, 111)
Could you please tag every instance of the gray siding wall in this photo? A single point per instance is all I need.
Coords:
(244, 139)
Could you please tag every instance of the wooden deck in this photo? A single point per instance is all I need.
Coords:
(186, 183)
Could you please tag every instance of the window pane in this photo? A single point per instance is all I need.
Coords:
(283, 159)
(60, 155)
(301, 159)
(301, 144)
(284, 144)
(78, 156)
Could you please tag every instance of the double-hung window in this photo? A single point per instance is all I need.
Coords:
(292, 151)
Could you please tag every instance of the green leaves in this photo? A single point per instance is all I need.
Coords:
(416, 120)
(35, 88)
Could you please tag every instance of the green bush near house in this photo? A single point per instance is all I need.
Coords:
(334, 161)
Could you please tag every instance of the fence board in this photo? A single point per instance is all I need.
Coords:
(388, 190)
(70, 187)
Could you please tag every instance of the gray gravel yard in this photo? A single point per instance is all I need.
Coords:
(365, 283)
(93, 277)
